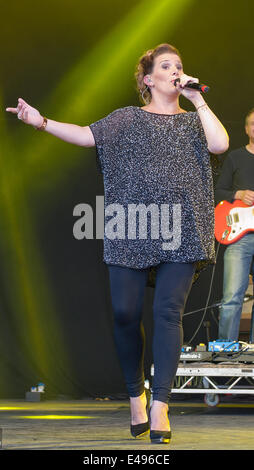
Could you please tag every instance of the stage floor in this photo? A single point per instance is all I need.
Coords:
(104, 425)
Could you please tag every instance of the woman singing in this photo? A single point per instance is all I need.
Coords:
(154, 159)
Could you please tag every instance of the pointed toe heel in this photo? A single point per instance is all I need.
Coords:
(140, 430)
(160, 437)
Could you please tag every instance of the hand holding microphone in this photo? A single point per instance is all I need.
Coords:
(186, 82)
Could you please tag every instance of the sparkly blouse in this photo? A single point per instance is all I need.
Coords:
(158, 189)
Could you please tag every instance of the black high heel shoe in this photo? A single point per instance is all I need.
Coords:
(141, 430)
(160, 437)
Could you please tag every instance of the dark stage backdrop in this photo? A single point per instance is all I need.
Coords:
(55, 308)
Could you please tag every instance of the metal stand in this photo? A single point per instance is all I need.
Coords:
(200, 377)
(187, 380)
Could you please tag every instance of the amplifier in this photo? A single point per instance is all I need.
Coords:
(196, 356)
(208, 356)
(224, 346)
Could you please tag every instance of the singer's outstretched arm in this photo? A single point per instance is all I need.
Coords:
(71, 133)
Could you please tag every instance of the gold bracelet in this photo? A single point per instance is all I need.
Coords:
(43, 126)
(202, 106)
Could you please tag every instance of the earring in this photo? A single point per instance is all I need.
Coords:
(143, 92)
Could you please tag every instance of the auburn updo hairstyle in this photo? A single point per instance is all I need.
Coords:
(145, 67)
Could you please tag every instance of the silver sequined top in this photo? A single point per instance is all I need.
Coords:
(158, 186)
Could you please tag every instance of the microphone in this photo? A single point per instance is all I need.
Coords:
(195, 86)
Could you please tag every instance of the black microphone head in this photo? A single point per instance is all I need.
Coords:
(194, 86)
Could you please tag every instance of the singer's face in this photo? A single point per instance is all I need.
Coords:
(167, 67)
(249, 128)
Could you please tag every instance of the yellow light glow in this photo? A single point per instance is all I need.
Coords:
(55, 417)
(7, 408)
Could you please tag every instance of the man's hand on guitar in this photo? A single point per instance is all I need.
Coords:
(246, 196)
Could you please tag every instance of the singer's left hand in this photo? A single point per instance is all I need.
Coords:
(190, 94)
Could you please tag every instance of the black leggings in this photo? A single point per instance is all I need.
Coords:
(127, 285)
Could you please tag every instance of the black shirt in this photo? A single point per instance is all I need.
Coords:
(237, 174)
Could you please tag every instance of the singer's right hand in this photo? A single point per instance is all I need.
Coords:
(190, 94)
(26, 113)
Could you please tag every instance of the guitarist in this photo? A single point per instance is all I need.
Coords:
(236, 181)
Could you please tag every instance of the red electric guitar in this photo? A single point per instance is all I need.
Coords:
(232, 221)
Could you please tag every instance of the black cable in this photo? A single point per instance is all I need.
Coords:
(201, 309)
(232, 354)
(247, 298)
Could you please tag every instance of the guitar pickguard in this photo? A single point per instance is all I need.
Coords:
(239, 220)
